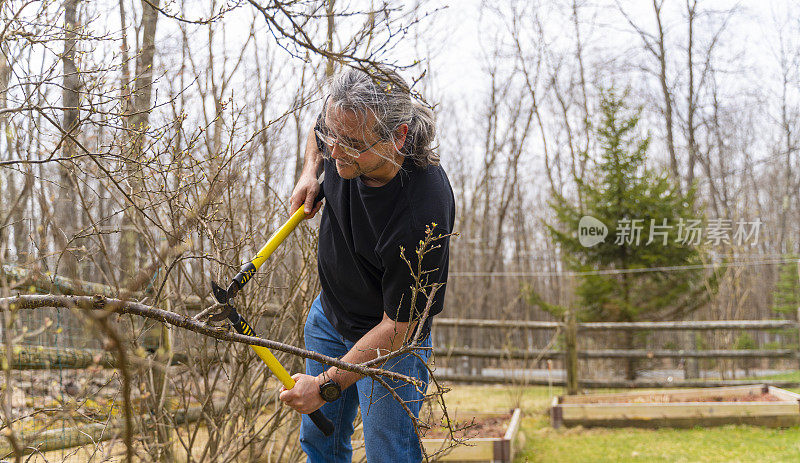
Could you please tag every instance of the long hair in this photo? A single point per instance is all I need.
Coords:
(381, 91)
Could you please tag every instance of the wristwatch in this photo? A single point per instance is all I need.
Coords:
(330, 390)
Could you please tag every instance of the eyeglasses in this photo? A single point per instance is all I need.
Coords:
(330, 141)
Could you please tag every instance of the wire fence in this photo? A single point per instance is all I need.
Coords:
(577, 355)
(62, 388)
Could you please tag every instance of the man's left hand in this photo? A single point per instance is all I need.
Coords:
(304, 396)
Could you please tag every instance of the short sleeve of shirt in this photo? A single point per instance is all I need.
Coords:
(405, 298)
(319, 126)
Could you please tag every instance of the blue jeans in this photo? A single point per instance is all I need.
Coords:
(388, 431)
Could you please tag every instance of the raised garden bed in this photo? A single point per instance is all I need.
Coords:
(756, 404)
(488, 437)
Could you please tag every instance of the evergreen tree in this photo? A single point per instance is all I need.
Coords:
(626, 196)
(786, 296)
(786, 300)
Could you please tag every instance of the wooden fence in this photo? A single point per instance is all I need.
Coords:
(572, 351)
(45, 357)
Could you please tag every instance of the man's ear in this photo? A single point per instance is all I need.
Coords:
(400, 137)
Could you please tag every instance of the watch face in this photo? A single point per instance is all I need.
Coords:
(330, 391)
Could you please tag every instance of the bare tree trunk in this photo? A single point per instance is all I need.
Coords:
(301, 130)
(136, 124)
(329, 11)
(584, 99)
(788, 123)
(4, 76)
(690, 99)
(15, 216)
(661, 56)
(65, 209)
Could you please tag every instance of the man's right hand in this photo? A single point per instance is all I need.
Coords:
(304, 193)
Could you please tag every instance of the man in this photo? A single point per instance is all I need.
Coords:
(383, 186)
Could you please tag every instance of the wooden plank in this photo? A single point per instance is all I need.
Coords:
(783, 393)
(485, 323)
(498, 353)
(571, 355)
(664, 353)
(691, 325)
(47, 282)
(91, 434)
(28, 280)
(503, 354)
(480, 379)
(594, 326)
(608, 384)
(624, 384)
(677, 410)
(44, 358)
(512, 435)
(782, 421)
(556, 415)
(27, 357)
(676, 393)
(502, 451)
(513, 424)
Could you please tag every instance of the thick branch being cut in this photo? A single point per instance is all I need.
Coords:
(116, 306)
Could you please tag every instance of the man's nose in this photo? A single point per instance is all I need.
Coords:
(337, 151)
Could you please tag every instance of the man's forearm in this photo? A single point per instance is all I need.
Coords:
(387, 336)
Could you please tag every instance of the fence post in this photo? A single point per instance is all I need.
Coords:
(571, 352)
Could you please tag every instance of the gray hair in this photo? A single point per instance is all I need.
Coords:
(382, 92)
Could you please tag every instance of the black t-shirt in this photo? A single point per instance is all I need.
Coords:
(362, 273)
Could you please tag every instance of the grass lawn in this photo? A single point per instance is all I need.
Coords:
(544, 444)
(788, 376)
